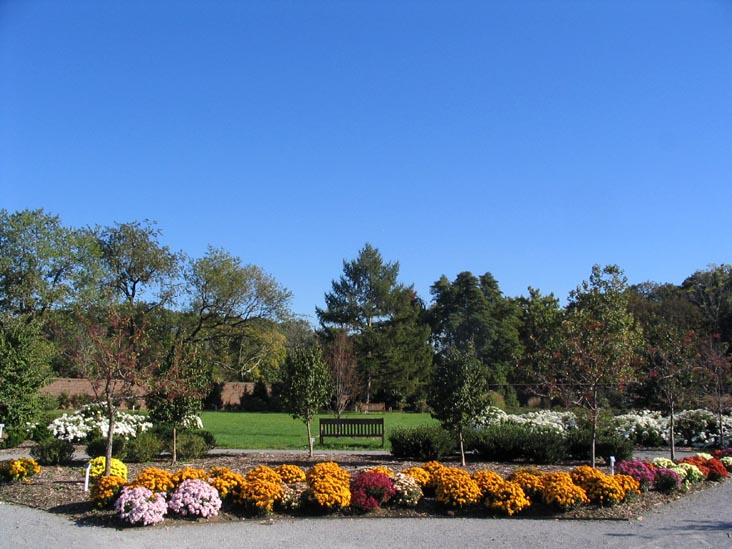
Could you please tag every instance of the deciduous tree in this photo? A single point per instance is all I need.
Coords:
(459, 390)
(108, 352)
(306, 385)
(599, 343)
(343, 373)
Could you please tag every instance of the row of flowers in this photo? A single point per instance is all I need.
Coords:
(698, 428)
(667, 476)
(327, 487)
(91, 421)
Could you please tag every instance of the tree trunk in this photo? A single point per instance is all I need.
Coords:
(310, 440)
(595, 413)
(175, 444)
(672, 437)
(720, 426)
(462, 447)
(110, 440)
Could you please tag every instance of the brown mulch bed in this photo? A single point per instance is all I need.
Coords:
(61, 489)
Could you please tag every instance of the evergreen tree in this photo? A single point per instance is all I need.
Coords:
(473, 311)
(383, 318)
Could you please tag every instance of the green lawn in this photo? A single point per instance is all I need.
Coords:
(263, 431)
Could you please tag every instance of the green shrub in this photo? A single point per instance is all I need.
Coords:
(14, 437)
(207, 436)
(40, 431)
(422, 442)
(53, 451)
(510, 442)
(607, 444)
(502, 442)
(98, 447)
(164, 433)
(190, 446)
(145, 447)
(545, 446)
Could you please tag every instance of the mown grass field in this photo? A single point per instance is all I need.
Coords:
(269, 431)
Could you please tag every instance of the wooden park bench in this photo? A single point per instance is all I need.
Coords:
(352, 428)
(372, 407)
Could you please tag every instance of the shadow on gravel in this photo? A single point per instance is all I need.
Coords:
(701, 526)
(76, 508)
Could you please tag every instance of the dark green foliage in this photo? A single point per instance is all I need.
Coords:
(98, 447)
(13, 437)
(459, 391)
(509, 442)
(503, 442)
(53, 452)
(144, 447)
(24, 357)
(608, 444)
(422, 443)
(191, 446)
(212, 401)
(164, 433)
(257, 400)
(545, 447)
(388, 328)
(472, 310)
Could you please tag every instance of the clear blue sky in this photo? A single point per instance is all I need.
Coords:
(528, 139)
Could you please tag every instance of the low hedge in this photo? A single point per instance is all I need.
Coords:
(421, 442)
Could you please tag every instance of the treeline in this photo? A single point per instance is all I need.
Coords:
(215, 318)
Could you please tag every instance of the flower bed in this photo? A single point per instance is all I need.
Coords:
(503, 490)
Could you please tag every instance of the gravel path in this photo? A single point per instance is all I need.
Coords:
(702, 519)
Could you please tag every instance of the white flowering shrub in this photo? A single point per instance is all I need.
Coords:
(91, 421)
(543, 419)
(697, 428)
(645, 427)
(490, 415)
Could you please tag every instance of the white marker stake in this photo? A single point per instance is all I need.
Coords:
(612, 465)
(86, 478)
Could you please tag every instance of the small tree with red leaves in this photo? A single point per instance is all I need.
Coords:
(109, 354)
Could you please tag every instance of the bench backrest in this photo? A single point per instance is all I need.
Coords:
(352, 427)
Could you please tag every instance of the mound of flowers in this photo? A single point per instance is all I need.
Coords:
(195, 498)
(328, 486)
(370, 490)
(139, 506)
(260, 490)
(666, 475)
(99, 464)
(20, 469)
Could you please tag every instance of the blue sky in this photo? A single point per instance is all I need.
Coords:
(528, 139)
